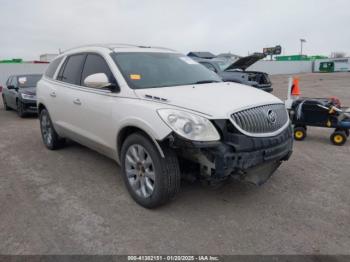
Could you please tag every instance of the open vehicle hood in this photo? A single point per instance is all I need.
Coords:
(217, 100)
(245, 62)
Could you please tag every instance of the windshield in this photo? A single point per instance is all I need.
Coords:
(224, 63)
(28, 80)
(150, 70)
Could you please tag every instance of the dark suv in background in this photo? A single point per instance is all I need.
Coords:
(232, 68)
(19, 93)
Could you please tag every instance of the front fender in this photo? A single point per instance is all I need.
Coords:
(156, 132)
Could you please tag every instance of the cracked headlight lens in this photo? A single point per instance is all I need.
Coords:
(188, 125)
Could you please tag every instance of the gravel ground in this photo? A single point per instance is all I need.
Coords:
(73, 201)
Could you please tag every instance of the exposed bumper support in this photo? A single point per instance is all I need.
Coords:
(228, 161)
(236, 154)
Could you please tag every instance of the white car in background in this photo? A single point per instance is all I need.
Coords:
(159, 114)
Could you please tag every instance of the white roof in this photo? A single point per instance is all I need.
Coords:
(118, 48)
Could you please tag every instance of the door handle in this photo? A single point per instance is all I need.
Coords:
(77, 101)
(53, 94)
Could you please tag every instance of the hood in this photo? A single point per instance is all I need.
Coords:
(28, 90)
(217, 100)
(245, 62)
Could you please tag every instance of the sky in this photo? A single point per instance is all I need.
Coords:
(33, 27)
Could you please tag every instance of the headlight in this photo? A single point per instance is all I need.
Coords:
(27, 96)
(190, 126)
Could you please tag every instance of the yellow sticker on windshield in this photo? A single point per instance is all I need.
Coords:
(135, 77)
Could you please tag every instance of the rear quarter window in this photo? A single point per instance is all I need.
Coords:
(50, 71)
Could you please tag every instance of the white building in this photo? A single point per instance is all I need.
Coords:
(47, 57)
(332, 65)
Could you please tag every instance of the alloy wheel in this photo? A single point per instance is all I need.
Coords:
(46, 129)
(140, 170)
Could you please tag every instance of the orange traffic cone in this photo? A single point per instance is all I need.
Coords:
(295, 87)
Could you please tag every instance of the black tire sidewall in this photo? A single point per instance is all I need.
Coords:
(42, 113)
(20, 108)
(160, 186)
(346, 131)
(301, 129)
(341, 133)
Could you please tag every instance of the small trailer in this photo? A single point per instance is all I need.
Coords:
(319, 112)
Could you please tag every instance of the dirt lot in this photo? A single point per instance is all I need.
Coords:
(73, 201)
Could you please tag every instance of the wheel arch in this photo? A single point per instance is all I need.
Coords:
(125, 131)
(41, 106)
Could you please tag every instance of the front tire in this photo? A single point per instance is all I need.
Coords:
(20, 110)
(50, 137)
(150, 179)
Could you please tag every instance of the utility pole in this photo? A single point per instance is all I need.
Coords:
(301, 45)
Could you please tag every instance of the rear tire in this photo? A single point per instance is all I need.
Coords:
(50, 137)
(338, 138)
(7, 108)
(299, 133)
(150, 179)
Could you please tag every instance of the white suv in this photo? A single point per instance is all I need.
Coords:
(160, 114)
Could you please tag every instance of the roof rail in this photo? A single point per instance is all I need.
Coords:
(89, 45)
(111, 46)
(164, 48)
(140, 46)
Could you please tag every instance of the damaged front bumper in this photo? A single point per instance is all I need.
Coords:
(248, 158)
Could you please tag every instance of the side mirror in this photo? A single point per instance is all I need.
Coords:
(10, 87)
(99, 80)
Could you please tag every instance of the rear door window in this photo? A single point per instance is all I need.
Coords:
(71, 71)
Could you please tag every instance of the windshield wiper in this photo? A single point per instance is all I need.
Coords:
(206, 82)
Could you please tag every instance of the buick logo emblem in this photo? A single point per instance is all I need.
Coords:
(271, 116)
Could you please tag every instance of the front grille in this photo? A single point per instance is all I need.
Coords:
(264, 119)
